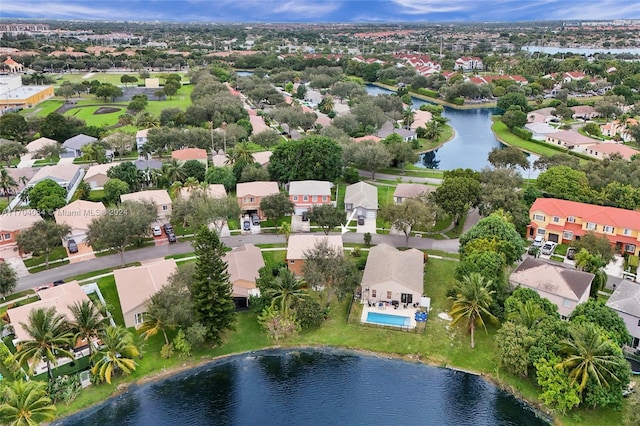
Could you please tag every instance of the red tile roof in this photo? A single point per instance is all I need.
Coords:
(611, 216)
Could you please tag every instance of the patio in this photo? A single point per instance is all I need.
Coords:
(387, 308)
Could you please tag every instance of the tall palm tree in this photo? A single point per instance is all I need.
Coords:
(153, 324)
(527, 314)
(25, 404)
(471, 303)
(87, 322)
(51, 339)
(587, 354)
(173, 172)
(7, 182)
(286, 290)
(240, 154)
(116, 353)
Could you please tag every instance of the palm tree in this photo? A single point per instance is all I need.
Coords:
(587, 355)
(173, 172)
(285, 229)
(26, 404)
(154, 323)
(116, 353)
(471, 303)
(7, 182)
(87, 322)
(240, 154)
(527, 314)
(287, 289)
(50, 339)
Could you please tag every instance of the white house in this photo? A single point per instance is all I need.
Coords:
(362, 197)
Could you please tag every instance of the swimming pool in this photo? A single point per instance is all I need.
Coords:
(386, 319)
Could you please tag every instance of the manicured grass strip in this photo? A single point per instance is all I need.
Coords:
(99, 272)
(51, 266)
(17, 295)
(107, 286)
(504, 135)
(56, 254)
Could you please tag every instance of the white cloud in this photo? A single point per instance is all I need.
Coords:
(304, 9)
(69, 10)
(421, 7)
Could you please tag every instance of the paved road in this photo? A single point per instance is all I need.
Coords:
(160, 252)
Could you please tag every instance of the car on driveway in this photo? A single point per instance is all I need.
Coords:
(548, 247)
(157, 231)
(72, 246)
(171, 237)
(246, 225)
(167, 228)
(361, 220)
(538, 241)
(571, 253)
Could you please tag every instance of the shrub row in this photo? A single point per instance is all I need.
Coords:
(522, 133)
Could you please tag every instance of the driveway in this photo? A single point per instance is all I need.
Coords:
(85, 252)
(299, 225)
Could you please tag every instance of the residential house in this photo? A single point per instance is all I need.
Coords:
(11, 224)
(585, 112)
(540, 130)
(160, 197)
(67, 176)
(78, 215)
(73, 146)
(387, 129)
(215, 190)
(141, 138)
(305, 194)
(410, 190)
(486, 79)
(34, 146)
(58, 297)
(420, 119)
(244, 262)
(186, 154)
(149, 164)
(604, 150)
(250, 194)
(137, 284)
(391, 275)
(300, 244)
(563, 221)
(262, 157)
(625, 300)
(220, 159)
(618, 129)
(96, 175)
(468, 63)
(570, 139)
(542, 115)
(362, 198)
(564, 287)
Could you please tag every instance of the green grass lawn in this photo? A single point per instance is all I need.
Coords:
(107, 286)
(540, 148)
(43, 108)
(88, 114)
(56, 254)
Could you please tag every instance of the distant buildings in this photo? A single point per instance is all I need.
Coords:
(14, 95)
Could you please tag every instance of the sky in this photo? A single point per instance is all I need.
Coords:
(359, 11)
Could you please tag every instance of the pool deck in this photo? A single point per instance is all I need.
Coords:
(390, 310)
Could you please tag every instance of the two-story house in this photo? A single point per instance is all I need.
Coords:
(565, 221)
(250, 194)
(160, 197)
(305, 194)
(468, 63)
(11, 224)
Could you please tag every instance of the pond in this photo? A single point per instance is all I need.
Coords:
(311, 387)
(471, 144)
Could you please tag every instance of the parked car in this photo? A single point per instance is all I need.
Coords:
(167, 228)
(538, 241)
(157, 231)
(58, 282)
(171, 237)
(72, 246)
(305, 216)
(255, 219)
(548, 247)
(360, 220)
(246, 225)
(571, 253)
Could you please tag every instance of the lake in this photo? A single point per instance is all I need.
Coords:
(552, 50)
(312, 387)
(471, 144)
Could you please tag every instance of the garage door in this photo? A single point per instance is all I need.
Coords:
(298, 210)
(553, 237)
(371, 214)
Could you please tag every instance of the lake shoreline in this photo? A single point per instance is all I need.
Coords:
(123, 388)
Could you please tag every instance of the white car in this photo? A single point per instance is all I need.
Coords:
(538, 241)
(548, 247)
(157, 231)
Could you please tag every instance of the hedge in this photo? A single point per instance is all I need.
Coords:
(522, 133)
(427, 92)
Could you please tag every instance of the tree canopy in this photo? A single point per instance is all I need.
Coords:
(312, 157)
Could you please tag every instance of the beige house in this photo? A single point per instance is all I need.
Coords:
(262, 157)
(67, 176)
(214, 190)
(12, 223)
(79, 215)
(34, 146)
(570, 139)
(392, 275)
(96, 175)
(59, 298)
(564, 287)
(299, 244)
(410, 190)
(160, 197)
(244, 262)
(186, 154)
(251, 193)
(137, 284)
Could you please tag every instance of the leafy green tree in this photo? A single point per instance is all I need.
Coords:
(113, 189)
(308, 313)
(565, 183)
(487, 263)
(603, 316)
(47, 196)
(312, 157)
(25, 403)
(8, 279)
(592, 129)
(326, 217)
(471, 303)
(200, 209)
(527, 314)
(511, 99)
(496, 227)
(108, 92)
(7, 183)
(276, 206)
(266, 138)
(545, 162)
(116, 354)
(13, 126)
(87, 322)
(410, 214)
(456, 195)
(127, 172)
(597, 245)
(513, 341)
(211, 289)
(42, 237)
(508, 157)
(514, 118)
(557, 389)
(402, 154)
(106, 232)
(11, 150)
(56, 127)
(50, 339)
(370, 156)
(221, 175)
(194, 169)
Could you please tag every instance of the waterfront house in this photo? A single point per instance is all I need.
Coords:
(564, 287)
(625, 300)
(570, 139)
(606, 149)
(305, 194)
(410, 190)
(244, 263)
(300, 244)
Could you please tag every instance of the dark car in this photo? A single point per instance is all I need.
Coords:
(171, 237)
(360, 220)
(246, 225)
(305, 216)
(167, 228)
(255, 219)
(571, 253)
(72, 246)
(58, 282)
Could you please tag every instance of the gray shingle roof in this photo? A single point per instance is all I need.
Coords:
(78, 141)
(552, 278)
(362, 194)
(626, 298)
